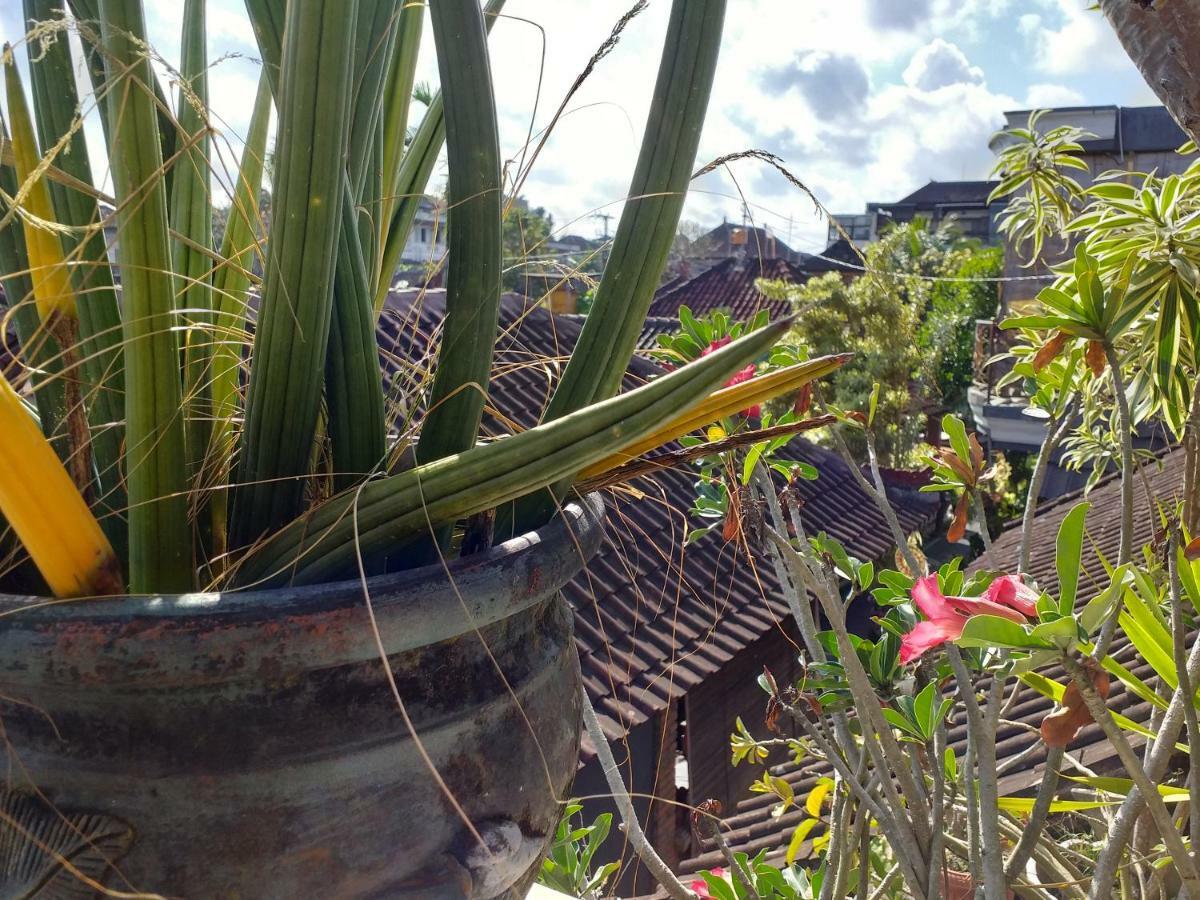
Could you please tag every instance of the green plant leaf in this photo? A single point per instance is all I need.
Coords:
(1068, 555)
(994, 631)
(957, 433)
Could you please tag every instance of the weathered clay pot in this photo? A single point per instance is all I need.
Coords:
(250, 745)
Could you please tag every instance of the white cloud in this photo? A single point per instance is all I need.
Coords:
(1045, 96)
(1076, 40)
(940, 64)
(833, 84)
(883, 94)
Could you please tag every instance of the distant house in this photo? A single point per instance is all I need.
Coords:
(728, 239)
(1137, 139)
(1134, 139)
(426, 242)
(965, 203)
(670, 636)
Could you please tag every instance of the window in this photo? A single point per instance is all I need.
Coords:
(424, 235)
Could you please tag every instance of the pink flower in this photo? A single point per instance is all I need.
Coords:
(738, 377)
(1010, 590)
(700, 886)
(945, 616)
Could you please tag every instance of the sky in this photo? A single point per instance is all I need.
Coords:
(864, 100)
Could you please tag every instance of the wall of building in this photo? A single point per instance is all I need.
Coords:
(714, 706)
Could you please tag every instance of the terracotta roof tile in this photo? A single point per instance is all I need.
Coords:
(729, 287)
(652, 617)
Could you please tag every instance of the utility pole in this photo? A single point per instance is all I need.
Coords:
(604, 217)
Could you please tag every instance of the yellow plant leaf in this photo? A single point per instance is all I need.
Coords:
(817, 796)
(46, 511)
(725, 402)
(52, 291)
(798, 837)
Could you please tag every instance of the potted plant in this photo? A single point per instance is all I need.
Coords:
(271, 659)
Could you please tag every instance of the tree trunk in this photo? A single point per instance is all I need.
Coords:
(1162, 37)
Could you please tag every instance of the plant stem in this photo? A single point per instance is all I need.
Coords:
(981, 519)
(793, 591)
(620, 795)
(898, 831)
(1037, 817)
(1056, 430)
(937, 862)
(981, 729)
(1155, 766)
(877, 492)
(1125, 424)
(1192, 727)
(1191, 467)
(1181, 859)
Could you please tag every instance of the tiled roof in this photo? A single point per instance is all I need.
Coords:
(757, 240)
(729, 286)
(840, 256)
(753, 828)
(653, 618)
(953, 192)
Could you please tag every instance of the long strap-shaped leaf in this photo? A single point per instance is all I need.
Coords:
(377, 22)
(231, 282)
(353, 385)
(290, 342)
(47, 512)
(412, 178)
(156, 476)
(651, 214)
(647, 226)
(397, 98)
(191, 219)
(88, 13)
(473, 245)
(39, 350)
(53, 290)
(373, 519)
(55, 100)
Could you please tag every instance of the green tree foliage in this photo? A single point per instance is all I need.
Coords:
(526, 230)
(948, 332)
(910, 333)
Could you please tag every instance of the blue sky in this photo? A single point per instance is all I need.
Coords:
(864, 99)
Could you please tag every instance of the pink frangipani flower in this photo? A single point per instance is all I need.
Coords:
(700, 886)
(945, 617)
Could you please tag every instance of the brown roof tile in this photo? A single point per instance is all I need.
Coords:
(652, 617)
(729, 287)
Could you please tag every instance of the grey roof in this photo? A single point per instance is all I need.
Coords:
(943, 193)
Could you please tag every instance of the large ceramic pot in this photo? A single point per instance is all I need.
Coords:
(252, 745)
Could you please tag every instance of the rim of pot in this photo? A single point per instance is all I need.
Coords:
(411, 609)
